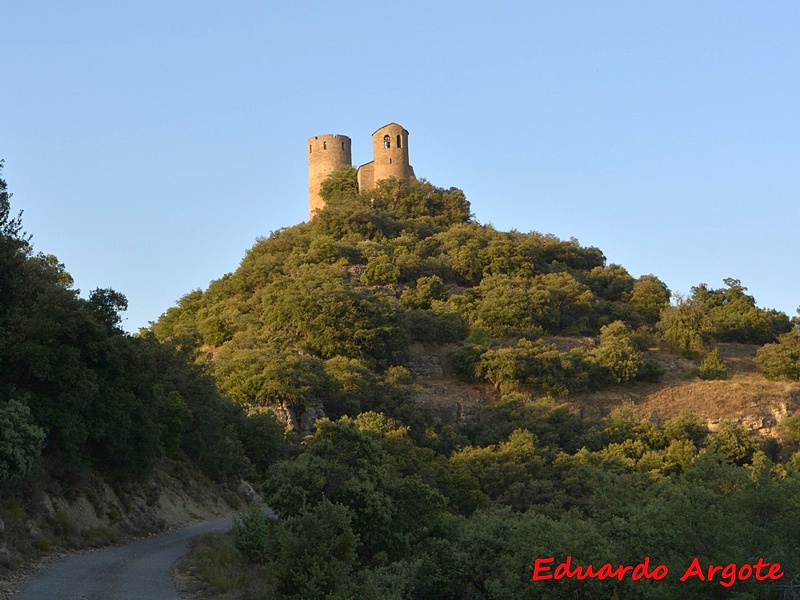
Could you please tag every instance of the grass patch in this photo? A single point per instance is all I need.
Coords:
(42, 544)
(221, 571)
(97, 537)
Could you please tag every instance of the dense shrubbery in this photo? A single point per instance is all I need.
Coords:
(712, 367)
(367, 511)
(384, 501)
(20, 440)
(369, 275)
(722, 315)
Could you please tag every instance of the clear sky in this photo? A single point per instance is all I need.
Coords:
(150, 143)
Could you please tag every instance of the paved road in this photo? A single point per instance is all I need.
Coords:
(136, 571)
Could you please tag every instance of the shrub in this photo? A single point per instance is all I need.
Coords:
(252, 536)
(617, 352)
(733, 442)
(711, 367)
(781, 360)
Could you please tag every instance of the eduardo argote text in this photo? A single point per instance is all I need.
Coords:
(544, 569)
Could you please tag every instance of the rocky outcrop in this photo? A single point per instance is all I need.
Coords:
(300, 421)
(762, 421)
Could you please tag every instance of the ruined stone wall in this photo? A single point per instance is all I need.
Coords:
(366, 177)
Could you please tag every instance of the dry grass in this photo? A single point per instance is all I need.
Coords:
(746, 397)
(213, 568)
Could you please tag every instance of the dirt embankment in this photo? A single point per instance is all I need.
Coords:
(45, 525)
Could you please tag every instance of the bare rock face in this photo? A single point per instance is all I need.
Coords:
(422, 362)
(247, 491)
(763, 421)
(309, 418)
(300, 420)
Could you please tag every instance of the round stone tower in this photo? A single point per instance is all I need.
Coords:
(390, 153)
(326, 153)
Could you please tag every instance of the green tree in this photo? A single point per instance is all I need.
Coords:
(355, 386)
(612, 283)
(735, 316)
(174, 418)
(462, 249)
(315, 306)
(649, 296)
(262, 434)
(253, 536)
(107, 306)
(510, 472)
(712, 366)
(421, 201)
(423, 293)
(20, 440)
(686, 326)
(14, 252)
(179, 324)
(341, 185)
(380, 271)
(315, 552)
(617, 353)
(256, 373)
(781, 360)
(569, 305)
(733, 442)
(537, 364)
(686, 426)
(512, 307)
(790, 427)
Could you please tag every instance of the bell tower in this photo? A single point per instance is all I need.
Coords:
(390, 158)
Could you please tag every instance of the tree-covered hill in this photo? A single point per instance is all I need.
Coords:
(335, 304)
(386, 499)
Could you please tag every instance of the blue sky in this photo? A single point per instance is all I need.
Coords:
(150, 143)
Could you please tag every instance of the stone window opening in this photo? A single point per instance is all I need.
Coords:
(324, 145)
(309, 148)
(386, 141)
(399, 144)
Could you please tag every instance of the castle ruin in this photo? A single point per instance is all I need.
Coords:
(328, 152)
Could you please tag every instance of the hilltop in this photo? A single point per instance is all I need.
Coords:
(401, 284)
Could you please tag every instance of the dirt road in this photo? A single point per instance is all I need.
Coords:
(136, 571)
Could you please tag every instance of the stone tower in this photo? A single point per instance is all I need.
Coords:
(390, 158)
(326, 153)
